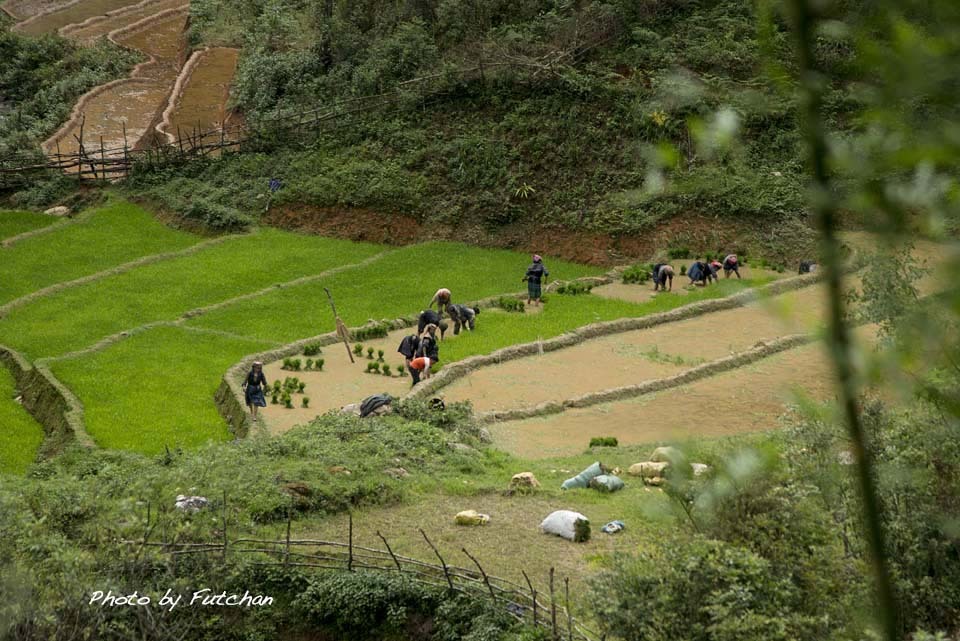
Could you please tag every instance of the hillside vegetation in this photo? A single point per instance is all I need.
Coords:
(537, 113)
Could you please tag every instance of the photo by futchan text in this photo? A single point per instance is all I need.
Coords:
(170, 600)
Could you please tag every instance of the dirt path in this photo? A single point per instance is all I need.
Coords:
(749, 399)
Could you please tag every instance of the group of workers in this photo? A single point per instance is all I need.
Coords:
(421, 350)
(701, 272)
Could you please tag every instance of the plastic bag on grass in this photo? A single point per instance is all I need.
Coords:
(567, 524)
(471, 517)
(583, 478)
(606, 483)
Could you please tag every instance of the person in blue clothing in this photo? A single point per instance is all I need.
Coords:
(462, 316)
(253, 387)
(699, 273)
(536, 272)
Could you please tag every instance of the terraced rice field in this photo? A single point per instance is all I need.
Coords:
(14, 223)
(20, 434)
(70, 14)
(201, 107)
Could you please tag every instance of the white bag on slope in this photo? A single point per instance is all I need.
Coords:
(568, 524)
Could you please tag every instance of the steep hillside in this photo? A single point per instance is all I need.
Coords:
(534, 119)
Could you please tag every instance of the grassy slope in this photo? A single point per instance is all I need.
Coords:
(18, 222)
(78, 317)
(115, 234)
(399, 285)
(20, 435)
(155, 389)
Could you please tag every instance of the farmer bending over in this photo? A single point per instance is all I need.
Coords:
(662, 274)
(408, 348)
(699, 273)
(731, 264)
(536, 272)
(441, 298)
(428, 344)
(714, 266)
(462, 316)
(427, 317)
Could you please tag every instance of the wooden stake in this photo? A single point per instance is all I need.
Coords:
(553, 608)
(350, 542)
(533, 593)
(390, 550)
(446, 570)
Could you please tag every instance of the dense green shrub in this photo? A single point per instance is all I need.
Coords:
(510, 304)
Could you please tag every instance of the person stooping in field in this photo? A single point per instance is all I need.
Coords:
(731, 264)
(426, 354)
(699, 273)
(441, 298)
(462, 316)
(408, 348)
(662, 274)
(427, 317)
(253, 388)
(536, 272)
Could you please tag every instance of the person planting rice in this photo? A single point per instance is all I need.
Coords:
(428, 344)
(536, 272)
(253, 388)
(662, 274)
(699, 273)
(421, 365)
(408, 348)
(462, 316)
(731, 264)
(714, 267)
(427, 317)
(441, 298)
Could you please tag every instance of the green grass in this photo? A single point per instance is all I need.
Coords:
(154, 389)
(13, 223)
(79, 316)
(399, 285)
(20, 435)
(115, 234)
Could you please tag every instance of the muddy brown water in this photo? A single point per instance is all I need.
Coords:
(134, 103)
(71, 14)
(202, 105)
(130, 15)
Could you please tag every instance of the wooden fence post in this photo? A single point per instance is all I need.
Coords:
(350, 542)
(390, 550)
(486, 580)
(126, 157)
(446, 570)
(224, 525)
(566, 588)
(553, 608)
(533, 593)
(286, 557)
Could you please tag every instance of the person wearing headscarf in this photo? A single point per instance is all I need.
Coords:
(253, 388)
(536, 272)
(731, 264)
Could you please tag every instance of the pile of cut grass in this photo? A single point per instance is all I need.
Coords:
(20, 435)
(13, 223)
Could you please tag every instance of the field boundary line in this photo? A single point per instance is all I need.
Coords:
(760, 351)
(180, 321)
(114, 271)
(51, 403)
(67, 222)
(460, 369)
(220, 332)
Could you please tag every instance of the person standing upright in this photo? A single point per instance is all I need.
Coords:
(536, 272)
